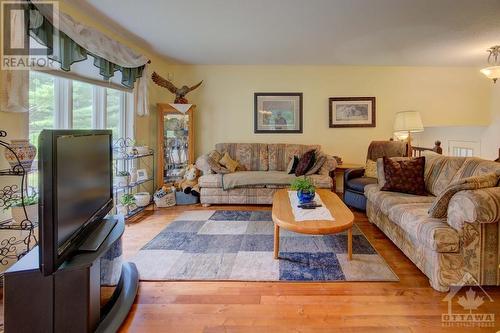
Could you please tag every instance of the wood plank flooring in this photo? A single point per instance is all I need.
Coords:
(409, 305)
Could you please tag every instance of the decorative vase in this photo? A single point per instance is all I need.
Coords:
(25, 151)
(121, 210)
(18, 214)
(305, 196)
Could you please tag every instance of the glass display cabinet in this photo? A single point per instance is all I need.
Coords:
(175, 141)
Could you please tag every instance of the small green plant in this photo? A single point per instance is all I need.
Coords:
(17, 202)
(127, 199)
(302, 184)
(123, 173)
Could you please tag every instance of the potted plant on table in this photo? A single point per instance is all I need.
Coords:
(17, 211)
(305, 189)
(127, 204)
(121, 178)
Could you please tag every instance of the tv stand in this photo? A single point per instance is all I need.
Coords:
(69, 299)
(94, 241)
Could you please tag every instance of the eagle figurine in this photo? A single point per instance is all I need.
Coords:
(180, 93)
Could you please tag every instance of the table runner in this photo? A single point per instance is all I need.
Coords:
(320, 213)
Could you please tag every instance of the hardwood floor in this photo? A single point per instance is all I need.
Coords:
(409, 305)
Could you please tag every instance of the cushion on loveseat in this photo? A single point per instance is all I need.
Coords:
(253, 156)
(432, 233)
(280, 154)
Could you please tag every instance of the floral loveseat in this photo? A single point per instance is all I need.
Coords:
(262, 161)
(467, 240)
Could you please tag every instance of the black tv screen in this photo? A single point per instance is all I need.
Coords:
(75, 190)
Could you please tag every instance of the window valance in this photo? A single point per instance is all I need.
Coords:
(72, 42)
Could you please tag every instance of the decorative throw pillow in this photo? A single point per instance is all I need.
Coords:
(215, 155)
(216, 167)
(306, 162)
(320, 160)
(405, 176)
(439, 208)
(292, 165)
(371, 169)
(380, 168)
(229, 163)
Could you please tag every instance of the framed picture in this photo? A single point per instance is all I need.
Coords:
(352, 112)
(142, 174)
(278, 113)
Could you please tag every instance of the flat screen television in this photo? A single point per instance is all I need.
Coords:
(75, 188)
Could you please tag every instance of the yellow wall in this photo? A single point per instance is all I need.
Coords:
(444, 96)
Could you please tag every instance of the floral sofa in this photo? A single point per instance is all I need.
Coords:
(467, 240)
(260, 160)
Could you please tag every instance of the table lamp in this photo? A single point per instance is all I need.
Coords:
(408, 122)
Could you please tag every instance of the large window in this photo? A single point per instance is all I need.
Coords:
(57, 102)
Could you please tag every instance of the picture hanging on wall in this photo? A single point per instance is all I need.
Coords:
(352, 112)
(278, 113)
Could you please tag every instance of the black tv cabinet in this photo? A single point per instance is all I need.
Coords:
(69, 299)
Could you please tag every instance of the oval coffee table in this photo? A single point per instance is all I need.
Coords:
(283, 218)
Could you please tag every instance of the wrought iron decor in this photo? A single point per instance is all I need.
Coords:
(12, 247)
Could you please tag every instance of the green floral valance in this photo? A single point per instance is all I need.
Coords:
(66, 51)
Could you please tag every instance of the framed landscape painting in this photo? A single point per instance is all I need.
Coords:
(278, 113)
(352, 112)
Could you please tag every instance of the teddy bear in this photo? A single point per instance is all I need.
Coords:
(189, 184)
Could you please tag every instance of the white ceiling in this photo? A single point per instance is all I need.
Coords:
(339, 32)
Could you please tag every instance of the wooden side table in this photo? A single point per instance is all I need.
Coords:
(339, 173)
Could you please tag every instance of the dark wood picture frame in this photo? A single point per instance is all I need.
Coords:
(278, 131)
(347, 99)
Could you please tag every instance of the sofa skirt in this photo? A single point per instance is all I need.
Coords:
(251, 196)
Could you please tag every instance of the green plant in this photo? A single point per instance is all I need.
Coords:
(17, 202)
(127, 199)
(302, 184)
(123, 173)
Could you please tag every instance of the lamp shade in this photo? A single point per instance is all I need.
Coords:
(408, 121)
(492, 72)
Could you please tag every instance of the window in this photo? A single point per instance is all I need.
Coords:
(42, 104)
(82, 105)
(464, 148)
(57, 102)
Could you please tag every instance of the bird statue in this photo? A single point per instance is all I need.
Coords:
(180, 93)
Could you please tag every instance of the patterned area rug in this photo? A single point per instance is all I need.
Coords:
(238, 245)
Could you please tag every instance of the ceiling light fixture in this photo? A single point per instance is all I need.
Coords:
(493, 72)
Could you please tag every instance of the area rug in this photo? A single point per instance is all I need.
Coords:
(238, 245)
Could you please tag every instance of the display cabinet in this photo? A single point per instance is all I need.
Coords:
(175, 141)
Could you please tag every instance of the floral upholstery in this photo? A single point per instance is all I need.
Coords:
(254, 156)
(280, 154)
(422, 229)
(259, 157)
(467, 240)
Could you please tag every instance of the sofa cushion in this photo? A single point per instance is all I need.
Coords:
(306, 162)
(476, 167)
(211, 180)
(432, 233)
(358, 184)
(384, 200)
(404, 176)
(253, 156)
(439, 171)
(318, 163)
(229, 163)
(439, 207)
(280, 154)
(371, 169)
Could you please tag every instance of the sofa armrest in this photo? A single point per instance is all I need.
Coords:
(353, 173)
(474, 206)
(329, 166)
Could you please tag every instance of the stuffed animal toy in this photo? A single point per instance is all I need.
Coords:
(189, 184)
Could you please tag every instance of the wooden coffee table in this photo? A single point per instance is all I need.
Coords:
(283, 218)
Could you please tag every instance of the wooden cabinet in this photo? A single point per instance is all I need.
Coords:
(175, 142)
